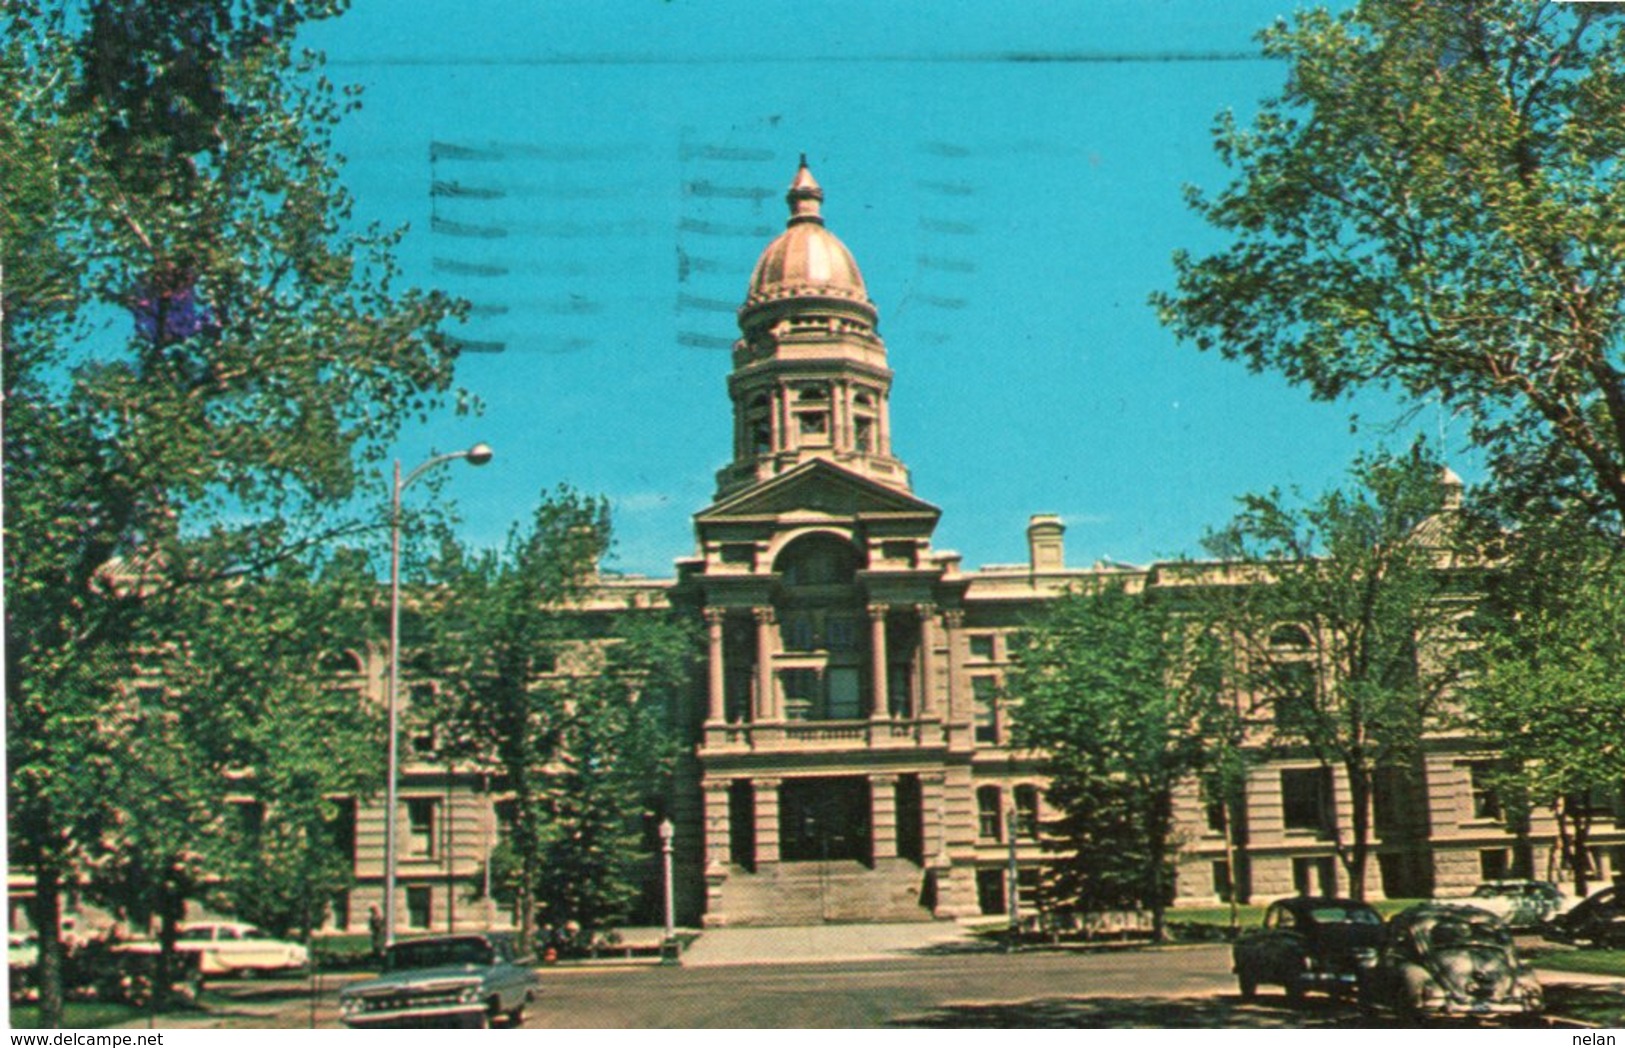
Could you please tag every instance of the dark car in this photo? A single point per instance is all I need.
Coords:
(1598, 919)
(1305, 944)
(462, 980)
(1451, 961)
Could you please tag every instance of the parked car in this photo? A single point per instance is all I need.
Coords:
(230, 948)
(1520, 903)
(1446, 960)
(1307, 944)
(464, 980)
(1598, 919)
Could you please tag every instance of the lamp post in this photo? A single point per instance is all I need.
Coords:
(1012, 876)
(478, 455)
(668, 945)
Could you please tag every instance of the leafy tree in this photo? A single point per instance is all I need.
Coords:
(571, 707)
(1547, 694)
(201, 360)
(1345, 613)
(1121, 695)
(1434, 204)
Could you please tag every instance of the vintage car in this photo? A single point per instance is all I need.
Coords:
(1598, 920)
(1452, 961)
(1307, 944)
(444, 980)
(1520, 903)
(230, 948)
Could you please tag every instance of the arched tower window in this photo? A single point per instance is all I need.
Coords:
(819, 560)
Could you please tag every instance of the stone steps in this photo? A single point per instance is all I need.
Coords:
(837, 891)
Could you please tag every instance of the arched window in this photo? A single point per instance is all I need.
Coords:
(819, 560)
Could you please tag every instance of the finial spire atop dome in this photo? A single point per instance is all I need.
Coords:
(805, 196)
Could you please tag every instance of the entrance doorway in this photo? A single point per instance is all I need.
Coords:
(824, 819)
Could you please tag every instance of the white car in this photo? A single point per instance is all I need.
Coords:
(1520, 903)
(229, 948)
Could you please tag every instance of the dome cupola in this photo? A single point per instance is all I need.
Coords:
(810, 379)
(805, 262)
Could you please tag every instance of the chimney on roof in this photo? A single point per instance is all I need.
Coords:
(1044, 542)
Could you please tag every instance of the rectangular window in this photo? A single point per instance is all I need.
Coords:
(981, 646)
(418, 913)
(1486, 802)
(1493, 864)
(989, 819)
(842, 633)
(341, 911)
(420, 827)
(1026, 798)
(800, 694)
(1306, 799)
(341, 827)
(845, 693)
(990, 891)
(984, 698)
(799, 633)
(1222, 886)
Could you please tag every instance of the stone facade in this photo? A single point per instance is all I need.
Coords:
(847, 756)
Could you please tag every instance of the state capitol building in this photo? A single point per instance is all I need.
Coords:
(846, 755)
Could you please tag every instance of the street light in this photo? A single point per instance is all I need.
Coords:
(478, 455)
(668, 945)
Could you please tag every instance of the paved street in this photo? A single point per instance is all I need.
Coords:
(947, 985)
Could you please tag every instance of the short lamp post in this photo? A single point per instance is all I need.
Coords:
(478, 455)
(668, 944)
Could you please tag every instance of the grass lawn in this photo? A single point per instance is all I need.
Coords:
(79, 1015)
(1597, 962)
(1249, 915)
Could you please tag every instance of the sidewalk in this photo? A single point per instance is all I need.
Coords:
(823, 942)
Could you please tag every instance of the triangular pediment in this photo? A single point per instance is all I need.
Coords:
(817, 488)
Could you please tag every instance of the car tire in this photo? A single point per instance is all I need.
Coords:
(1249, 985)
(516, 1016)
(1294, 991)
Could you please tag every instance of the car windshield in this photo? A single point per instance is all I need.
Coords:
(1451, 932)
(1344, 915)
(438, 953)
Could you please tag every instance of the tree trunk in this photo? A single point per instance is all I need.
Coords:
(171, 905)
(1161, 817)
(48, 932)
(1360, 828)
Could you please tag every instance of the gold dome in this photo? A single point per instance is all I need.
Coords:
(806, 260)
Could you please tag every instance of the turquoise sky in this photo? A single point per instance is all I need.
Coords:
(599, 178)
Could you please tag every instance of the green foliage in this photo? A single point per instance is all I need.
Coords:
(203, 362)
(1345, 616)
(572, 705)
(1548, 692)
(1435, 204)
(1123, 697)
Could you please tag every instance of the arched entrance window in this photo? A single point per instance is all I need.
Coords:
(822, 628)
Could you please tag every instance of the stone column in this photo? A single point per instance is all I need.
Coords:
(933, 840)
(766, 697)
(883, 816)
(954, 622)
(717, 679)
(878, 668)
(927, 706)
(718, 830)
(767, 821)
